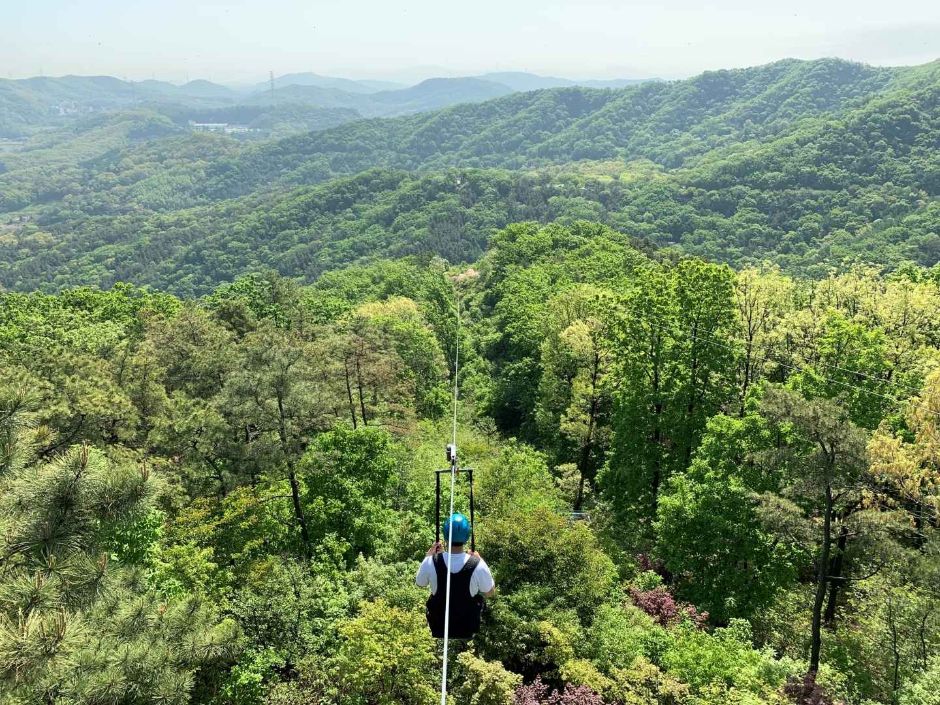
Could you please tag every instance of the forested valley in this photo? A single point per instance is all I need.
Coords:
(699, 388)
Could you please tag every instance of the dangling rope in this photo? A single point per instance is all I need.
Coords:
(453, 477)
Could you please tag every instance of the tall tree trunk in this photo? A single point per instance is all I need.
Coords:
(922, 637)
(220, 478)
(690, 409)
(919, 512)
(657, 459)
(895, 651)
(579, 497)
(657, 431)
(584, 458)
(349, 395)
(362, 403)
(822, 580)
(298, 509)
(583, 463)
(749, 350)
(292, 478)
(252, 467)
(836, 580)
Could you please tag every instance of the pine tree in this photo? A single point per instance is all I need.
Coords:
(79, 622)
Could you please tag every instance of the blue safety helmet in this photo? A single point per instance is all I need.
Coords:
(459, 525)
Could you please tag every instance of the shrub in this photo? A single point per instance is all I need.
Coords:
(537, 693)
(725, 658)
(618, 636)
(540, 548)
(659, 604)
(925, 690)
(247, 682)
(526, 637)
(806, 691)
(644, 683)
(580, 671)
(386, 657)
(484, 682)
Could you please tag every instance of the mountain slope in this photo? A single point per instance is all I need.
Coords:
(670, 123)
(810, 164)
(32, 103)
(674, 124)
(431, 94)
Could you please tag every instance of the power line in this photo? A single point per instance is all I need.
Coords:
(858, 373)
(893, 399)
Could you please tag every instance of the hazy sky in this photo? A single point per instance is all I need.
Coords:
(239, 40)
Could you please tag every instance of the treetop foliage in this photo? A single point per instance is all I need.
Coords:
(693, 484)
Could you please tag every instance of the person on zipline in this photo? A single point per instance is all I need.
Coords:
(470, 581)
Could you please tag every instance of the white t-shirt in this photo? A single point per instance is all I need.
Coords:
(480, 582)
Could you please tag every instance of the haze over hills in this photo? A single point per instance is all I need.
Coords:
(428, 95)
(800, 161)
(314, 79)
(523, 81)
(32, 104)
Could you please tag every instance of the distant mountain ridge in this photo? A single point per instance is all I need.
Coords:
(667, 122)
(523, 81)
(809, 164)
(514, 80)
(314, 79)
(27, 105)
(428, 95)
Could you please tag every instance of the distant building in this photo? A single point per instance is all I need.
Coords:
(223, 127)
(208, 126)
(69, 107)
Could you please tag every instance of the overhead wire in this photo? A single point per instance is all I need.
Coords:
(795, 369)
(453, 477)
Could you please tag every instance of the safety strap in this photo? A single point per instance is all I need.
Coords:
(468, 567)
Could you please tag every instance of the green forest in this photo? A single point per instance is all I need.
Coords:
(806, 164)
(699, 389)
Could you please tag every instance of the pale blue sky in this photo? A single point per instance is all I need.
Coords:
(241, 40)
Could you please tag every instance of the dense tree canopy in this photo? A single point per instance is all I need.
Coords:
(250, 475)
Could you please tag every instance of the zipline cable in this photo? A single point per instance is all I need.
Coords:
(453, 477)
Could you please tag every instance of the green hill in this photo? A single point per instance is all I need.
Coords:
(27, 105)
(670, 123)
(432, 94)
(811, 164)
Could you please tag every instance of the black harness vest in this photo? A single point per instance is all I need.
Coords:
(465, 610)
